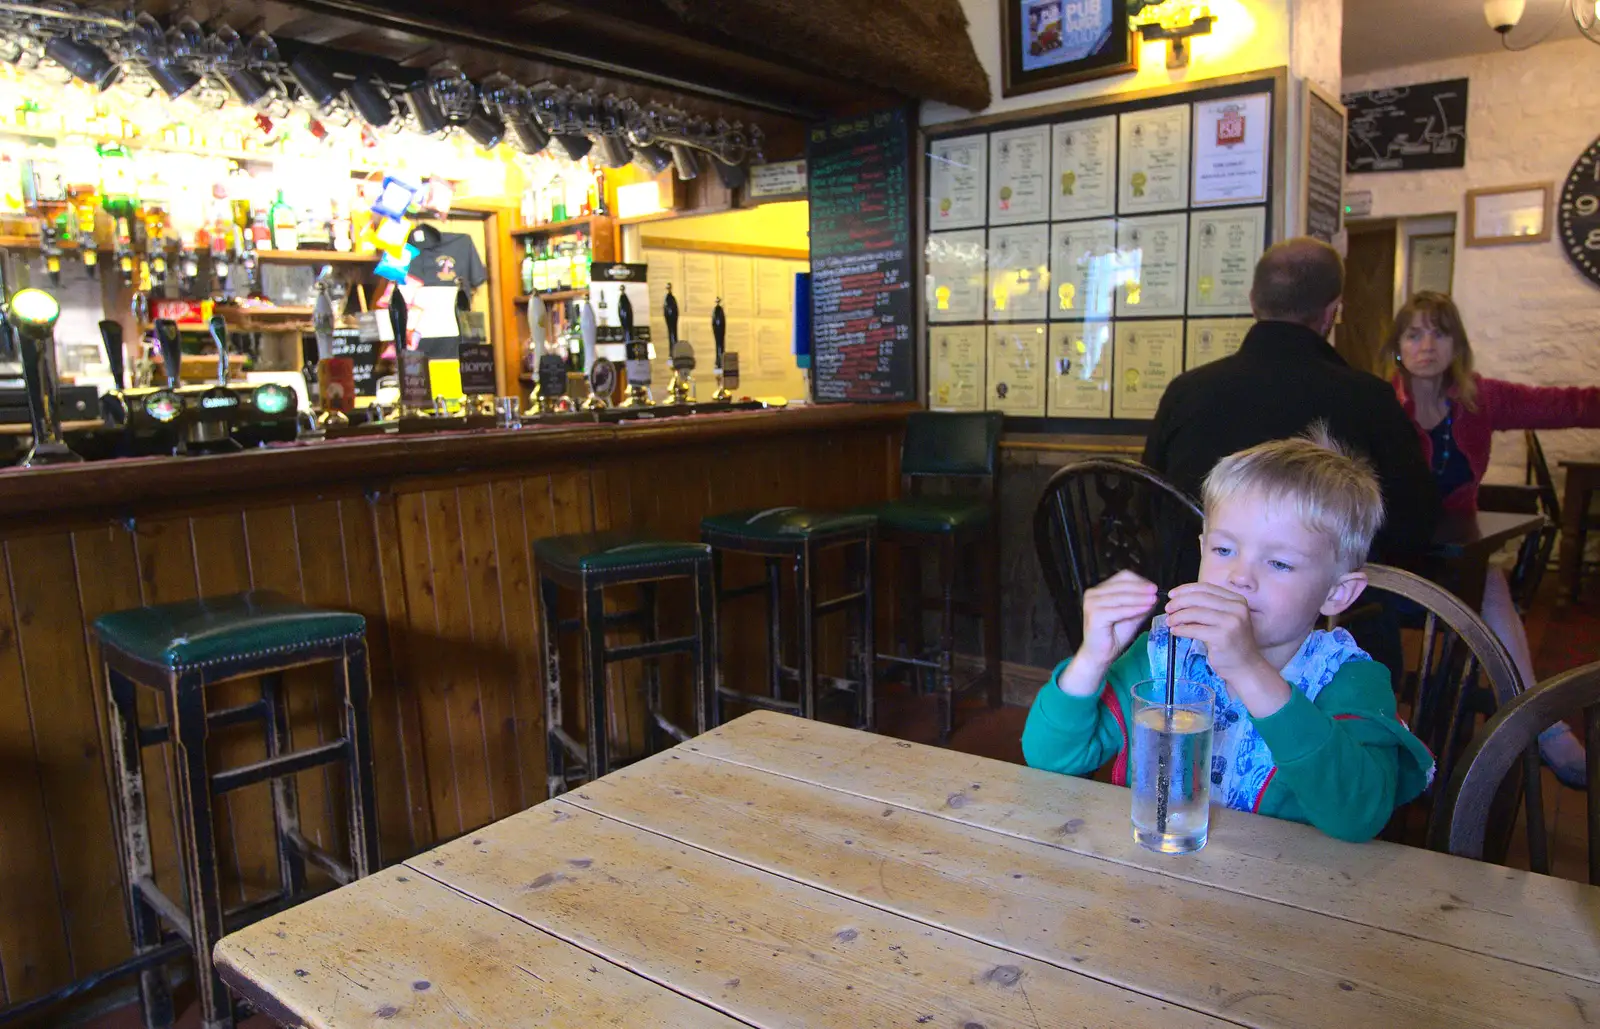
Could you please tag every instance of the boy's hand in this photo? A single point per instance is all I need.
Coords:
(1220, 618)
(1113, 613)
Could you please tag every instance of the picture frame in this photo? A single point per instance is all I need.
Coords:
(1499, 215)
(1430, 262)
(1042, 52)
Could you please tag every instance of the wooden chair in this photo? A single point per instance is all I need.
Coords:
(1486, 766)
(1537, 473)
(1459, 669)
(1103, 515)
(1536, 495)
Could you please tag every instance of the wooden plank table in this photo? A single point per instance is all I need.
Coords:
(1583, 478)
(1465, 542)
(777, 872)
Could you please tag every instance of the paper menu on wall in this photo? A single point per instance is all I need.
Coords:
(738, 289)
(771, 354)
(774, 282)
(665, 267)
(700, 287)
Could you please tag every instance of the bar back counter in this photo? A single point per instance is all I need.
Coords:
(426, 536)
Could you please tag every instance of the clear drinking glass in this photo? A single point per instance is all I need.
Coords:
(1170, 759)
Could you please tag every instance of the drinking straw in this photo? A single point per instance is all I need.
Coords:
(1163, 777)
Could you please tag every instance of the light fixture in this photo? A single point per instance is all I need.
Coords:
(1175, 21)
(1505, 15)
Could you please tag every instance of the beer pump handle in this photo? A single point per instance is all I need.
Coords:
(625, 316)
(111, 339)
(397, 318)
(171, 355)
(219, 336)
(669, 311)
(589, 331)
(719, 331)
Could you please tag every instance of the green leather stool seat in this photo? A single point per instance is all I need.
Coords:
(932, 514)
(778, 524)
(612, 551)
(200, 632)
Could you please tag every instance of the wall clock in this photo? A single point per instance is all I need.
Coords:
(1578, 215)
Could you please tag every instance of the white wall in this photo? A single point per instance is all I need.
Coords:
(1531, 316)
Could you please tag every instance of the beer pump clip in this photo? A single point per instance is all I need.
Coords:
(209, 411)
(32, 316)
(550, 393)
(636, 356)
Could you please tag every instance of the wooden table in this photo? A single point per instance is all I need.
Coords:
(1464, 543)
(1583, 478)
(777, 872)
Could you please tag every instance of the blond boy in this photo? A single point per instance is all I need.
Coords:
(1306, 726)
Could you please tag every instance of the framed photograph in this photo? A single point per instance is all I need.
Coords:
(1430, 263)
(1508, 214)
(1050, 43)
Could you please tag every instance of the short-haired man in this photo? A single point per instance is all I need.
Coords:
(1286, 376)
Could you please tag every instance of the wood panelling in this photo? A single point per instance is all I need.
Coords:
(441, 566)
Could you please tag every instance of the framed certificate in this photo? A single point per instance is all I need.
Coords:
(1084, 269)
(1152, 254)
(1212, 338)
(1224, 247)
(1019, 164)
(956, 367)
(1230, 150)
(1153, 160)
(1019, 273)
(1146, 356)
(1083, 170)
(1080, 370)
(1430, 263)
(958, 173)
(1508, 214)
(958, 267)
(1016, 369)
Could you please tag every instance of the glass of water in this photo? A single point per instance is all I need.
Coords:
(1170, 758)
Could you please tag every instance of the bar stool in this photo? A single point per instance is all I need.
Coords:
(935, 447)
(588, 563)
(800, 536)
(179, 650)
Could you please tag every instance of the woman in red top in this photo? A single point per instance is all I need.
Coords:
(1456, 412)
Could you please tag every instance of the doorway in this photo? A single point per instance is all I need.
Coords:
(1368, 294)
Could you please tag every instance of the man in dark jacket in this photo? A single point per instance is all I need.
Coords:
(1285, 376)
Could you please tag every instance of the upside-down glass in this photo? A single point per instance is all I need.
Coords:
(1170, 765)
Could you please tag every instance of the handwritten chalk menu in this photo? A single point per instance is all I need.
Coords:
(1407, 128)
(861, 273)
(363, 355)
(1324, 166)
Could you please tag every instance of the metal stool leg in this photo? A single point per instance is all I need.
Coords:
(869, 636)
(989, 557)
(285, 794)
(358, 730)
(775, 627)
(594, 643)
(805, 588)
(947, 637)
(199, 850)
(706, 670)
(155, 996)
(555, 754)
(713, 713)
(650, 631)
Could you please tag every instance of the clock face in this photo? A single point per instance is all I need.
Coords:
(1579, 213)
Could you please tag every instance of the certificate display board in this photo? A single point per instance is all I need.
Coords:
(1076, 259)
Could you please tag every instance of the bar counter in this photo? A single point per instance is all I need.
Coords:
(428, 537)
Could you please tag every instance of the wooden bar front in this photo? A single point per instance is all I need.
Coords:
(429, 538)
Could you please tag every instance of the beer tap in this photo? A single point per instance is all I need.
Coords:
(636, 354)
(602, 374)
(33, 316)
(114, 405)
(669, 311)
(322, 325)
(719, 340)
(551, 371)
(412, 364)
(680, 389)
(171, 354)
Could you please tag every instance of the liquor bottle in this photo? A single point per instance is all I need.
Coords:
(281, 221)
(527, 267)
(314, 228)
(342, 230)
(558, 203)
(563, 266)
(601, 208)
(580, 263)
(539, 269)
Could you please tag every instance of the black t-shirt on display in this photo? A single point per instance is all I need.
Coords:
(435, 276)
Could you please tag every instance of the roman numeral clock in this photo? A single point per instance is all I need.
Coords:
(1578, 214)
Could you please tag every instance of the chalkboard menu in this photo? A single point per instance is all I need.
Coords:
(862, 310)
(1408, 128)
(1324, 166)
(363, 355)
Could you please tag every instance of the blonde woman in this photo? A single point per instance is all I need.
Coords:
(1457, 412)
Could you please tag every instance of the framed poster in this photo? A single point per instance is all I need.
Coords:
(1050, 43)
(1084, 267)
(1083, 182)
(1019, 273)
(1230, 150)
(956, 365)
(1080, 370)
(1146, 356)
(1509, 214)
(1016, 369)
(1322, 164)
(1212, 338)
(958, 173)
(1019, 164)
(1153, 160)
(1154, 253)
(1224, 247)
(958, 267)
(1430, 263)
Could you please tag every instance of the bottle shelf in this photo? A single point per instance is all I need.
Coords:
(556, 228)
(554, 297)
(315, 256)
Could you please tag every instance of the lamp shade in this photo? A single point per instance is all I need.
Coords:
(1503, 15)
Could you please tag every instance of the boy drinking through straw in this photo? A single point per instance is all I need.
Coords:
(1305, 724)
